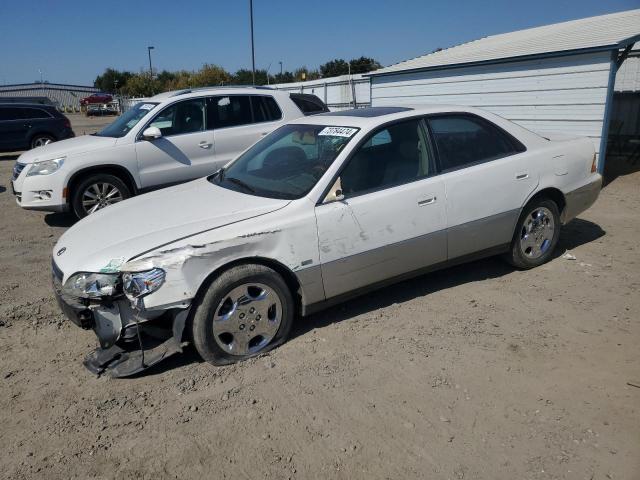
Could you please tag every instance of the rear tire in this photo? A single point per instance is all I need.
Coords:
(97, 191)
(536, 235)
(245, 311)
(41, 139)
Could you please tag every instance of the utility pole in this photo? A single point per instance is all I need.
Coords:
(150, 69)
(253, 55)
(280, 70)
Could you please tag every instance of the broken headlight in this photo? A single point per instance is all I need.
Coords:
(138, 284)
(92, 285)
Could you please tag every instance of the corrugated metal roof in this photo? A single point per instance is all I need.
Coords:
(604, 31)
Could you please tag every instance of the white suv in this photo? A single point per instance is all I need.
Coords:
(171, 138)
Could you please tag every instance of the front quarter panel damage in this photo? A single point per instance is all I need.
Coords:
(288, 237)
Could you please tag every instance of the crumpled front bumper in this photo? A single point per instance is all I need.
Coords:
(130, 341)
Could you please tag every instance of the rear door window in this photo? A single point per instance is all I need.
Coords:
(35, 113)
(265, 109)
(463, 141)
(229, 111)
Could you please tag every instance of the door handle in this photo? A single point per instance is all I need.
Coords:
(426, 201)
(522, 176)
(204, 144)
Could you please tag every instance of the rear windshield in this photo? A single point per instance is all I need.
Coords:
(309, 104)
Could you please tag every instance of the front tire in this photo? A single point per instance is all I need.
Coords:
(245, 311)
(536, 235)
(96, 192)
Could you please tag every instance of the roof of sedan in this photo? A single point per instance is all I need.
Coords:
(370, 116)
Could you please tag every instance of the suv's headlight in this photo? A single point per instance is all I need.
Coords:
(138, 284)
(92, 285)
(47, 167)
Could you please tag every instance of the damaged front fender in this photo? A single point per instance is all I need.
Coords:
(188, 265)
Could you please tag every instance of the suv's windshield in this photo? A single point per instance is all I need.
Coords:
(287, 163)
(127, 120)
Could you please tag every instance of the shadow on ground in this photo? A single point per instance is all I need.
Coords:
(60, 219)
(618, 166)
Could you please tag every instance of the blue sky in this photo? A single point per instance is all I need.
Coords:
(72, 41)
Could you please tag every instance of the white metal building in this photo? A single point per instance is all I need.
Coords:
(345, 91)
(65, 96)
(555, 78)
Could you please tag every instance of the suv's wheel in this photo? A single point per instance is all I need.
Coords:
(41, 139)
(245, 311)
(97, 191)
(536, 234)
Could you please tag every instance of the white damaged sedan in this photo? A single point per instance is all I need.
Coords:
(321, 209)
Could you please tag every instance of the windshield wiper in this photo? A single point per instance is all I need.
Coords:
(239, 182)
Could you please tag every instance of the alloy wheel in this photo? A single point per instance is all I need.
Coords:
(41, 142)
(247, 318)
(99, 195)
(537, 233)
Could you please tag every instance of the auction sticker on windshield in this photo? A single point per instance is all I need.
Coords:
(338, 131)
(147, 106)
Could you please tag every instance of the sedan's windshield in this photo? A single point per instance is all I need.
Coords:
(286, 164)
(127, 120)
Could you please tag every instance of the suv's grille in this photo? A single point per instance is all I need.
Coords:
(17, 169)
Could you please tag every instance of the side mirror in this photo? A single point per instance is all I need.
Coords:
(335, 194)
(151, 133)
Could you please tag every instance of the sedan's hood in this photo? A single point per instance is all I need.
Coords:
(118, 233)
(71, 146)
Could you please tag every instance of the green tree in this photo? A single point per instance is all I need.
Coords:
(112, 80)
(140, 85)
(210, 75)
(364, 65)
(303, 74)
(165, 78)
(334, 68)
(242, 77)
(285, 77)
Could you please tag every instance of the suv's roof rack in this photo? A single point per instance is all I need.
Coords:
(199, 89)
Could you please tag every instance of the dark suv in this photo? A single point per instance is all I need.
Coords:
(28, 125)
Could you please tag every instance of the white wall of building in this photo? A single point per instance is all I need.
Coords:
(562, 94)
(337, 92)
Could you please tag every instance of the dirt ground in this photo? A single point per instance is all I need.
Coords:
(475, 372)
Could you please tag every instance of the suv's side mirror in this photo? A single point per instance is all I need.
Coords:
(151, 133)
(335, 194)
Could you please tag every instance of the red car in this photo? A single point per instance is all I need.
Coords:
(96, 98)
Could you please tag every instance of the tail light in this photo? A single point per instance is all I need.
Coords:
(67, 123)
(594, 164)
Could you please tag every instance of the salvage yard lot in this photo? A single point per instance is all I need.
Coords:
(478, 371)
